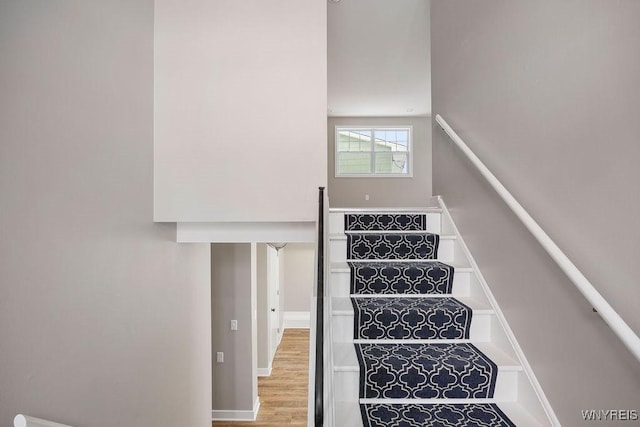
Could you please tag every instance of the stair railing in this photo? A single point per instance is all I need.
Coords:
(597, 301)
(26, 421)
(319, 294)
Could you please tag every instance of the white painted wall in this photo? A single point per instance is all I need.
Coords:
(104, 319)
(240, 109)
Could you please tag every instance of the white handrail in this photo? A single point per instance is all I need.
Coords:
(25, 421)
(608, 314)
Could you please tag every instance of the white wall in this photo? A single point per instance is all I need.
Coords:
(546, 93)
(104, 319)
(240, 109)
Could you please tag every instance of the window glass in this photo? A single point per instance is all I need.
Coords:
(380, 151)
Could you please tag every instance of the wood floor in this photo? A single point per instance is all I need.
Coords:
(283, 395)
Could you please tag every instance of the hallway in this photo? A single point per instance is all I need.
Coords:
(283, 395)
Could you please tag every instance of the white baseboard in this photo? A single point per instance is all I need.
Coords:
(230, 415)
(264, 372)
(296, 319)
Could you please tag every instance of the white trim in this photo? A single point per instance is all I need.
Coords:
(528, 370)
(265, 372)
(296, 320)
(597, 301)
(245, 232)
(231, 415)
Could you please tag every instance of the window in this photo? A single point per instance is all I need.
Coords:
(373, 152)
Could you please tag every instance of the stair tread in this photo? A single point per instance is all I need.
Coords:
(342, 306)
(343, 267)
(349, 412)
(343, 236)
(345, 359)
(381, 210)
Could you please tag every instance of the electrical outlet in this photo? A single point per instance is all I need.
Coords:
(234, 325)
(220, 357)
(366, 197)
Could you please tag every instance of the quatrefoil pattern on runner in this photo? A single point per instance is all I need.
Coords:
(445, 415)
(368, 222)
(392, 246)
(410, 318)
(424, 371)
(401, 278)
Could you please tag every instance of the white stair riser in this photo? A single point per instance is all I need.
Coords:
(347, 385)
(480, 330)
(336, 222)
(338, 250)
(340, 283)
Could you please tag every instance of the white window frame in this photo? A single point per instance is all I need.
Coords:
(373, 174)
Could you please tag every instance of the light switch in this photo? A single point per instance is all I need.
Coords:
(219, 357)
(234, 325)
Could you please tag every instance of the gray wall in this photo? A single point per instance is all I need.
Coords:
(378, 58)
(546, 93)
(350, 192)
(282, 278)
(104, 319)
(298, 274)
(263, 306)
(234, 380)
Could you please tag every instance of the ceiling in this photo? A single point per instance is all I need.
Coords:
(378, 58)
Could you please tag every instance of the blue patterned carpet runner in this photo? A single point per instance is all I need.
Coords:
(424, 371)
(410, 318)
(401, 277)
(406, 222)
(400, 292)
(399, 245)
(446, 415)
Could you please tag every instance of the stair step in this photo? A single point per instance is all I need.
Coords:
(401, 277)
(347, 369)
(433, 217)
(338, 249)
(441, 414)
(385, 221)
(345, 355)
(394, 245)
(404, 317)
(340, 280)
(443, 370)
(343, 316)
(349, 413)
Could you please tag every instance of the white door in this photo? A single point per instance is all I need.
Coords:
(273, 282)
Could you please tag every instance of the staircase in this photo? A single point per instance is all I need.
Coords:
(416, 336)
